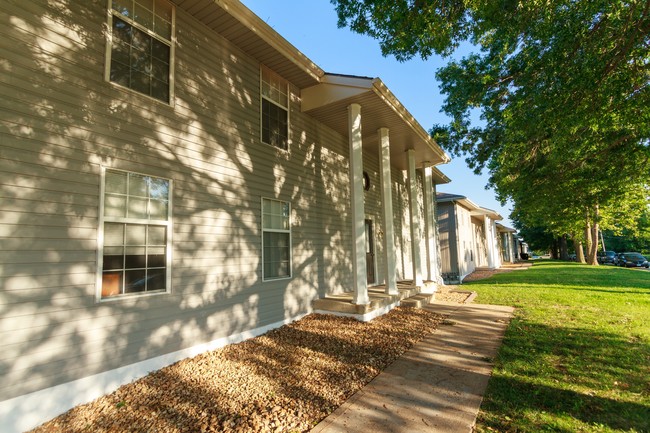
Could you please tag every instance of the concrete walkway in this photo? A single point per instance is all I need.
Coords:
(438, 385)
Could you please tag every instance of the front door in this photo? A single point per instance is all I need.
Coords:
(370, 252)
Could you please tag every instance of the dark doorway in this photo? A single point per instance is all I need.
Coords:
(370, 252)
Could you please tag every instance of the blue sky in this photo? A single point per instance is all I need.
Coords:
(310, 25)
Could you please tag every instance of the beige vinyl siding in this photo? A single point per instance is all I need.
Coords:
(402, 225)
(373, 205)
(447, 235)
(480, 240)
(420, 209)
(61, 122)
(401, 211)
(466, 241)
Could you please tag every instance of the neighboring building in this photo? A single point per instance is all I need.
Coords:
(507, 243)
(522, 248)
(177, 176)
(468, 237)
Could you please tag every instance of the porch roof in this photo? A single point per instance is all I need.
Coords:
(328, 102)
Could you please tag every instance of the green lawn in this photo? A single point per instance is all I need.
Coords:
(576, 356)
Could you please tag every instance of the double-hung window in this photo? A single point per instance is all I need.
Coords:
(140, 48)
(276, 239)
(275, 109)
(136, 227)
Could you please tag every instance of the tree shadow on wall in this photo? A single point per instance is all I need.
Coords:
(62, 122)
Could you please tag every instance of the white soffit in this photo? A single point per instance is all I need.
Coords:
(238, 24)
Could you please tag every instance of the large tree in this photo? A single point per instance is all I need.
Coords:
(562, 89)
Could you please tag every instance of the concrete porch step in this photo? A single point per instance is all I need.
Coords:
(380, 301)
(417, 301)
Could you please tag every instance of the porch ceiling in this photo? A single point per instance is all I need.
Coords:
(238, 24)
(328, 102)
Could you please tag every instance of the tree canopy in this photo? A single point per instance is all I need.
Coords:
(562, 88)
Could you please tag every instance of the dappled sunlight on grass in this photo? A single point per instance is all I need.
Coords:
(576, 355)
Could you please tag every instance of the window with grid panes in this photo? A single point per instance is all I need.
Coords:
(140, 52)
(136, 231)
(275, 109)
(276, 239)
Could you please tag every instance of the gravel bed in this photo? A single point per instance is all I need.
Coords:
(448, 294)
(286, 380)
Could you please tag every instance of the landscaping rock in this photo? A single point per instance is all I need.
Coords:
(286, 380)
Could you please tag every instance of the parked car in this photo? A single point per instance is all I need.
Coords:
(632, 260)
(606, 257)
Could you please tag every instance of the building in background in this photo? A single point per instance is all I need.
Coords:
(468, 237)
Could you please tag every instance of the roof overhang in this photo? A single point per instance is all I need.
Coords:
(439, 177)
(238, 24)
(328, 102)
(504, 229)
(460, 199)
(474, 209)
(483, 211)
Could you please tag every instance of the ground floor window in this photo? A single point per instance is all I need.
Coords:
(276, 239)
(135, 234)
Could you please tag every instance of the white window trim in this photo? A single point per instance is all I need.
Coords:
(100, 240)
(264, 278)
(262, 98)
(172, 54)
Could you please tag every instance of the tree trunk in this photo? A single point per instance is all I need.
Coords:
(564, 252)
(577, 245)
(592, 255)
(555, 249)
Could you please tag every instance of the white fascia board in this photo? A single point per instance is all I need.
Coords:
(268, 34)
(391, 100)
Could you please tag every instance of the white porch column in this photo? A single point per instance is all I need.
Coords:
(489, 237)
(359, 273)
(387, 199)
(414, 218)
(430, 226)
(496, 244)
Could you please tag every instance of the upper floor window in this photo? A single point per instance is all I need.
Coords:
(275, 109)
(140, 49)
(134, 250)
